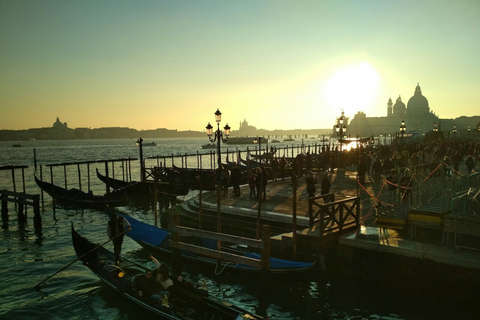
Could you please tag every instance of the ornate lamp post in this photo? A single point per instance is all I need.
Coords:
(468, 131)
(478, 129)
(403, 129)
(454, 131)
(218, 136)
(435, 129)
(341, 128)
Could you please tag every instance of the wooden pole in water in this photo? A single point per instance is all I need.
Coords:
(35, 158)
(14, 185)
(88, 176)
(130, 168)
(259, 206)
(79, 177)
(294, 210)
(4, 198)
(155, 191)
(37, 218)
(107, 185)
(51, 181)
(41, 190)
(65, 175)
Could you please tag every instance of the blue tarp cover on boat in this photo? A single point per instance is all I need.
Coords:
(144, 232)
(152, 235)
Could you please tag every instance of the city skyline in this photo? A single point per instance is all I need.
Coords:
(279, 65)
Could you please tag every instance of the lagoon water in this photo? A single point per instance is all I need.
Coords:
(29, 255)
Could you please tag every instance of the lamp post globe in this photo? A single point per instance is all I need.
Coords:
(218, 136)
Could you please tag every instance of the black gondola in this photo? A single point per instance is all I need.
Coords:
(114, 183)
(185, 302)
(78, 198)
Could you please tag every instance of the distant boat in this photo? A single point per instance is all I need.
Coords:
(245, 140)
(147, 144)
(209, 146)
(288, 139)
(275, 141)
(241, 140)
(17, 145)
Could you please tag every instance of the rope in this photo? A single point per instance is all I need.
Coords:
(223, 268)
(383, 185)
(372, 196)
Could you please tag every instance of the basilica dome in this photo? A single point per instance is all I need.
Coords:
(399, 107)
(418, 103)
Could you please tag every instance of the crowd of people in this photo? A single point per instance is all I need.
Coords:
(394, 164)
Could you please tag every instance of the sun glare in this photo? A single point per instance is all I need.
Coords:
(353, 88)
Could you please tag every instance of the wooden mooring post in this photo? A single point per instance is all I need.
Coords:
(22, 199)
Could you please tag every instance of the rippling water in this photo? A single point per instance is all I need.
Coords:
(28, 256)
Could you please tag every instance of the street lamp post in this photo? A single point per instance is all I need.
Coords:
(218, 136)
(403, 129)
(468, 131)
(478, 129)
(454, 131)
(259, 141)
(341, 128)
(435, 129)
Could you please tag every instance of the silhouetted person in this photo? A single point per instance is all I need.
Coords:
(310, 180)
(116, 232)
(236, 174)
(325, 185)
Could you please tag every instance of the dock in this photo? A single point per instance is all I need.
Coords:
(425, 242)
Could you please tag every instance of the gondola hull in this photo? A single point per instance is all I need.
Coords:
(78, 198)
(187, 302)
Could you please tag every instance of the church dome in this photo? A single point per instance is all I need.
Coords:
(418, 103)
(399, 107)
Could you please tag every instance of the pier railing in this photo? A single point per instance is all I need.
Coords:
(335, 215)
(22, 200)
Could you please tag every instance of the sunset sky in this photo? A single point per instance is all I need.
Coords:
(277, 64)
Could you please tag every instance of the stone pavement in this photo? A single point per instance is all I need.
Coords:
(280, 194)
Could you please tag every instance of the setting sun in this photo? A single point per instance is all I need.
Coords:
(353, 88)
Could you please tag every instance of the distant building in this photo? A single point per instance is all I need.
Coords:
(245, 129)
(61, 131)
(417, 116)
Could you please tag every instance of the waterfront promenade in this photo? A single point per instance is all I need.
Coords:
(425, 244)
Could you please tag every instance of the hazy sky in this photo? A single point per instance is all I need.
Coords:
(277, 64)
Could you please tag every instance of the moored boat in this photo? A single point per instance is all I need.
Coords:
(156, 240)
(241, 140)
(78, 198)
(209, 146)
(185, 301)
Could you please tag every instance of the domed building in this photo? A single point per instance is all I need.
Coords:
(399, 108)
(418, 104)
(416, 114)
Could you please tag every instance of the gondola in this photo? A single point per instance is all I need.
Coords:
(77, 198)
(114, 183)
(168, 184)
(185, 302)
(156, 240)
